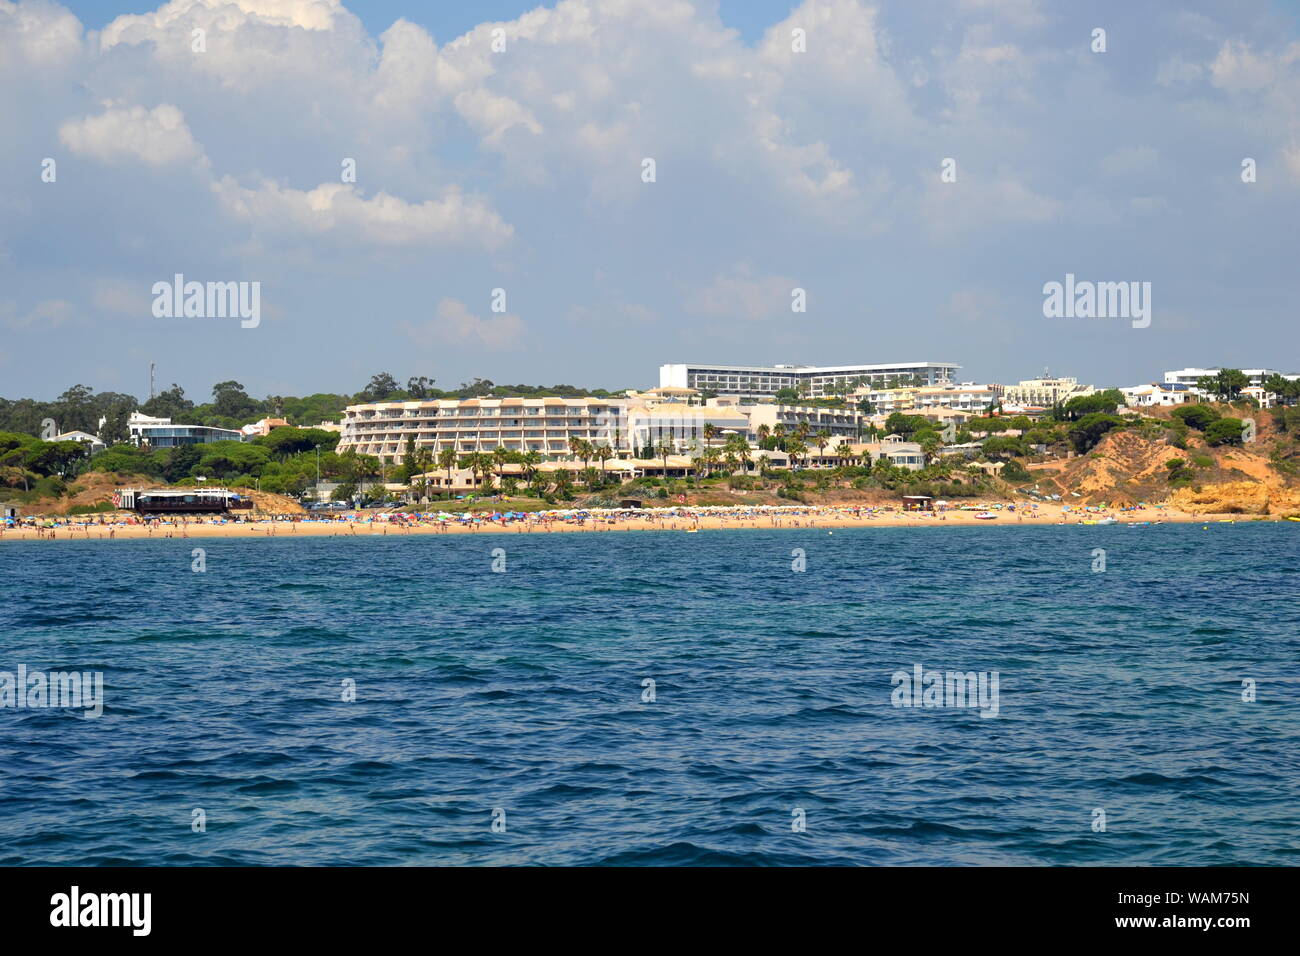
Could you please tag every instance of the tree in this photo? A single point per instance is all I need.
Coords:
(381, 387)
(408, 458)
(1286, 390)
(1088, 430)
(419, 386)
(1231, 381)
(530, 460)
(1199, 417)
(229, 400)
(447, 459)
(170, 403)
(115, 429)
(76, 411)
(664, 449)
(1014, 470)
(1225, 431)
(1080, 405)
(738, 446)
(180, 464)
(822, 440)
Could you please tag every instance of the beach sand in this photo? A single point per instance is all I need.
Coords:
(828, 519)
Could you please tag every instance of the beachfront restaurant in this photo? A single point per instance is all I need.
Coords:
(180, 501)
(918, 503)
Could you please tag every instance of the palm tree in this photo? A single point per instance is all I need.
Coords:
(739, 447)
(530, 461)
(796, 450)
(447, 459)
(843, 452)
(823, 439)
(581, 448)
(604, 453)
(708, 458)
(471, 461)
(710, 432)
(500, 455)
(664, 449)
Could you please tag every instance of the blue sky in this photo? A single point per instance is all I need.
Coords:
(520, 169)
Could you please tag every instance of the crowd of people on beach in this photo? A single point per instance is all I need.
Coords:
(598, 519)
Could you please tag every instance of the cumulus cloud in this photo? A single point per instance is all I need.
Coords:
(1240, 69)
(454, 324)
(953, 210)
(47, 314)
(741, 295)
(155, 137)
(614, 314)
(339, 210)
(38, 35)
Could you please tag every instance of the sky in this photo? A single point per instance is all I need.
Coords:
(921, 171)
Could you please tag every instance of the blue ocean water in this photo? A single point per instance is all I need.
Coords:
(522, 691)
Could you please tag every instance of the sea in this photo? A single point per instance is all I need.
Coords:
(735, 697)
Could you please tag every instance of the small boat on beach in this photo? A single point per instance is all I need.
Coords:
(985, 516)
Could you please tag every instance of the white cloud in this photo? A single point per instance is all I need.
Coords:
(1021, 13)
(950, 210)
(120, 296)
(493, 115)
(339, 210)
(608, 316)
(1131, 160)
(38, 35)
(224, 14)
(49, 313)
(743, 296)
(156, 137)
(455, 324)
(1239, 69)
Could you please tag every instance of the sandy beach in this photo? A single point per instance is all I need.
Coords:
(684, 519)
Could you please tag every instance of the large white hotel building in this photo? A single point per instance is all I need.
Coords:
(763, 381)
(546, 425)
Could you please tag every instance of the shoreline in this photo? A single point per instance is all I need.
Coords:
(812, 517)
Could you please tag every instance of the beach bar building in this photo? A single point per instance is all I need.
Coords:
(180, 500)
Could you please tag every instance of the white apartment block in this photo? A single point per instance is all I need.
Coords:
(840, 422)
(1045, 391)
(546, 425)
(543, 425)
(1188, 376)
(967, 397)
(764, 381)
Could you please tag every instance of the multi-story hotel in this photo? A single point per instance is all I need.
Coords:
(1189, 376)
(764, 381)
(840, 422)
(543, 425)
(1045, 391)
(967, 397)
